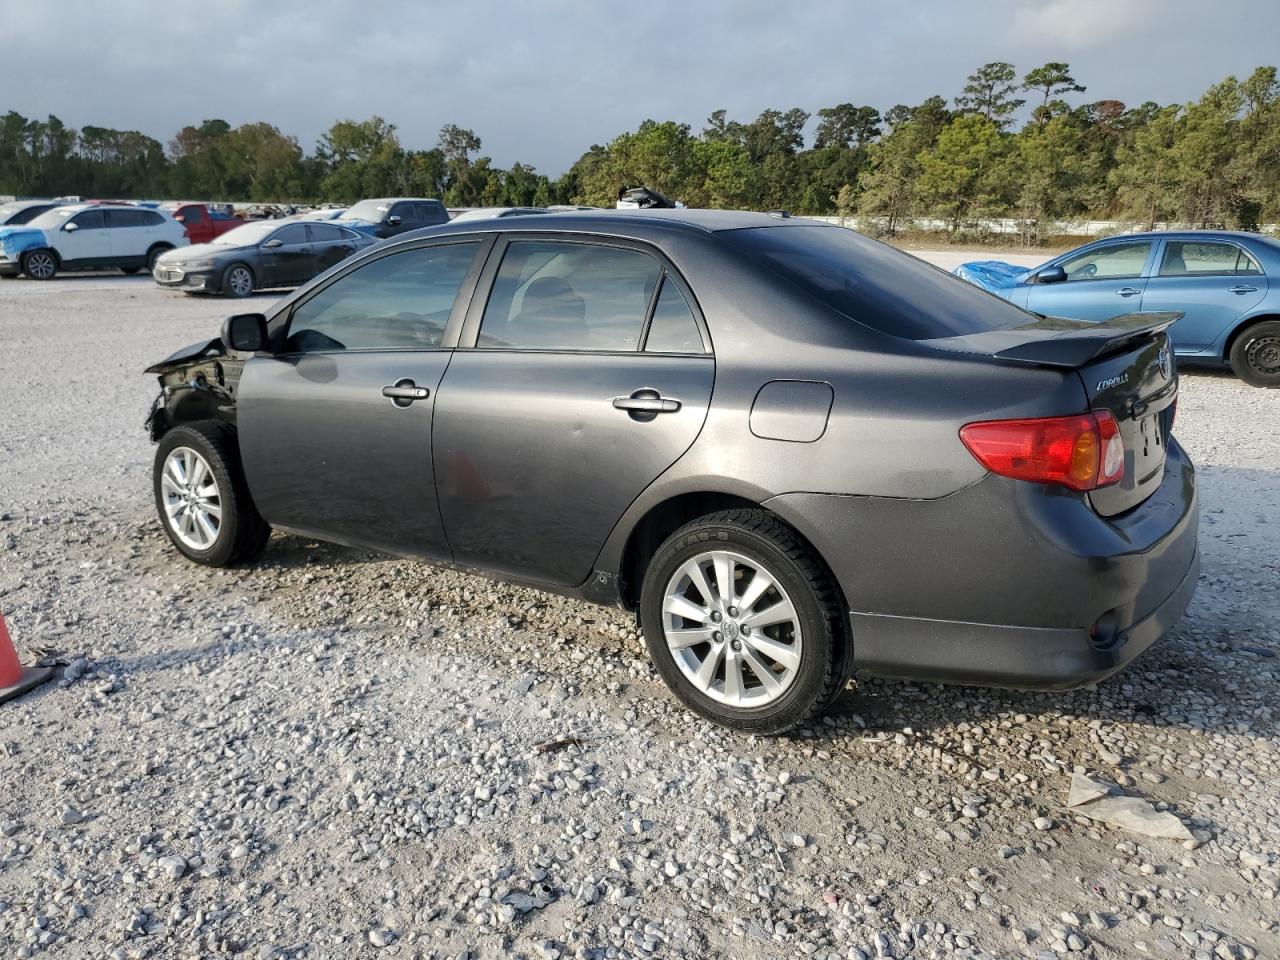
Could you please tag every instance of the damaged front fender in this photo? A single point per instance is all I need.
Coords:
(197, 383)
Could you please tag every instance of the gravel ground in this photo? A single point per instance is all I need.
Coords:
(332, 754)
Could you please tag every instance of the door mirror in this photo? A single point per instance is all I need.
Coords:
(1051, 275)
(394, 220)
(71, 227)
(245, 332)
(273, 243)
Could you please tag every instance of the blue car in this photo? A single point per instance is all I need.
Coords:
(1218, 279)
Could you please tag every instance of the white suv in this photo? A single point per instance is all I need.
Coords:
(88, 236)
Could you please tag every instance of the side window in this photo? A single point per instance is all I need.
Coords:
(323, 233)
(295, 234)
(430, 213)
(1246, 264)
(404, 211)
(192, 215)
(397, 302)
(1112, 262)
(89, 220)
(123, 218)
(673, 328)
(1191, 258)
(551, 295)
(151, 219)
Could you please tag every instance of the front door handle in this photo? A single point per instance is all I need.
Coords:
(404, 391)
(1243, 288)
(1128, 291)
(645, 404)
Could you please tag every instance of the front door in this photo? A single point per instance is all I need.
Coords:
(1103, 281)
(287, 257)
(1211, 282)
(335, 426)
(556, 418)
(89, 243)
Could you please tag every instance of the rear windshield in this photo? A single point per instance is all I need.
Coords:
(876, 285)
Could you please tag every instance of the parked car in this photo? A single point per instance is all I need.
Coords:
(17, 212)
(393, 216)
(88, 236)
(259, 255)
(203, 222)
(792, 449)
(1226, 284)
(493, 213)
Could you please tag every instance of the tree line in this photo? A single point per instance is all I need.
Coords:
(1029, 147)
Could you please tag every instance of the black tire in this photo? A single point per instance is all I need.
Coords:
(1255, 356)
(40, 264)
(242, 533)
(826, 661)
(129, 271)
(153, 255)
(233, 289)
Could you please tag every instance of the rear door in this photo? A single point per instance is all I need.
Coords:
(1211, 281)
(1103, 280)
(335, 425)
(553, 416)
(331, 244)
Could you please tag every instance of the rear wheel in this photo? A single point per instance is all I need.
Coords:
(237, 281)
(743, 623)
(40, 265)
(1255, 356)
(202, 497)
(153, 255)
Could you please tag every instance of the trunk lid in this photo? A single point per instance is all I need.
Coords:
(1125, 366)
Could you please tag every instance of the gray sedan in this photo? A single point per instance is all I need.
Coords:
(791, 450)
(260, 255)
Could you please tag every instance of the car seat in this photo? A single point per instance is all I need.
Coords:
(552, 315)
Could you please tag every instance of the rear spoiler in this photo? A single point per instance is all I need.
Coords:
(1079, 345)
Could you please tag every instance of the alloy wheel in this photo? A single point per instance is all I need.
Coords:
(41, 265)
(240, 281)
(192, 501)
(732, 629)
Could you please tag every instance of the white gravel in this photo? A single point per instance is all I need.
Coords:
(334, 754)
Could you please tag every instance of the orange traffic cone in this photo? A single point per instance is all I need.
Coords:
(15, 680)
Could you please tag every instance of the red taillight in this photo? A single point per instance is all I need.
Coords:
(1081, 452)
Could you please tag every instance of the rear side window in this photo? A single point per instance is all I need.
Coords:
(673, 328)
(431, 213)
(874, 284)
(323, 233)
(125, 218)
(1185, 259)
(192, 215)
(151, 219)
(398, 302)
(552, 295)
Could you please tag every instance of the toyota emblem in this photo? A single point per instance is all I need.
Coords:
(1165, 361)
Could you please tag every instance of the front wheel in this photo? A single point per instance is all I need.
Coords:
(744, 624)
(1255, 356)
(40, 265)
(202, 497)
(237, 281)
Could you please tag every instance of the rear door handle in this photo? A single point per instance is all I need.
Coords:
(1243, 288)
(404, 391)
(645, 404)
(1128, 291)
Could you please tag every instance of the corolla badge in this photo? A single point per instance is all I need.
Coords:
(1166, 362)
(1112, 382)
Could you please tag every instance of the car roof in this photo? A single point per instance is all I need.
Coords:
(632, 222)
(1188, 235)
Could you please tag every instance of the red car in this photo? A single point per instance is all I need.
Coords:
(203, 223)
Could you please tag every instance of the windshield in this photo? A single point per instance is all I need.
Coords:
(51, 219)
(248, 235)
(372, 210)
(876, 285)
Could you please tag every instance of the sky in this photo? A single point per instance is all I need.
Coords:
(540, 82)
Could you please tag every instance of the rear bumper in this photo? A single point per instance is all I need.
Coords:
(993, 655)
(1007, 583)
